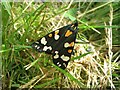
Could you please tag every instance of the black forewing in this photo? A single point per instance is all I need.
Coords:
(62, 50)
(51, 41)
(58, 45)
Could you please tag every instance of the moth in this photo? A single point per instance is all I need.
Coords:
(59, 44)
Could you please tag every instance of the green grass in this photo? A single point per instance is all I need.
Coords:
(23, 23)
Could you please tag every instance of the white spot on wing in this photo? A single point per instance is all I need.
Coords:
(64, 64)
(56, 51)
(45, 48)
(65, 58)
(56, 37)
(66, 45)
(37, 42)
(56, 55)
(43, 41)
(36, 46)
(50, 48)
(58, 63)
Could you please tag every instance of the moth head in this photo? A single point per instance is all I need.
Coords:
(74, 26)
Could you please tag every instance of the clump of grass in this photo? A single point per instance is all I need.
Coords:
(93, 65)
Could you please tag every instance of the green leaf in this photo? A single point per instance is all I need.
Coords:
(71, 14)
(78, 57)
(47, 83)
(70, 76)
(7, 6)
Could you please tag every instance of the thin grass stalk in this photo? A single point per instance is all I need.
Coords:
(110, 53)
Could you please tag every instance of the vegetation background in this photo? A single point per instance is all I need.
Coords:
(95, 62)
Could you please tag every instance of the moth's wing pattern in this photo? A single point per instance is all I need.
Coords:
(48, 42)
(44, 44)
(59, 43)
(64, 47)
